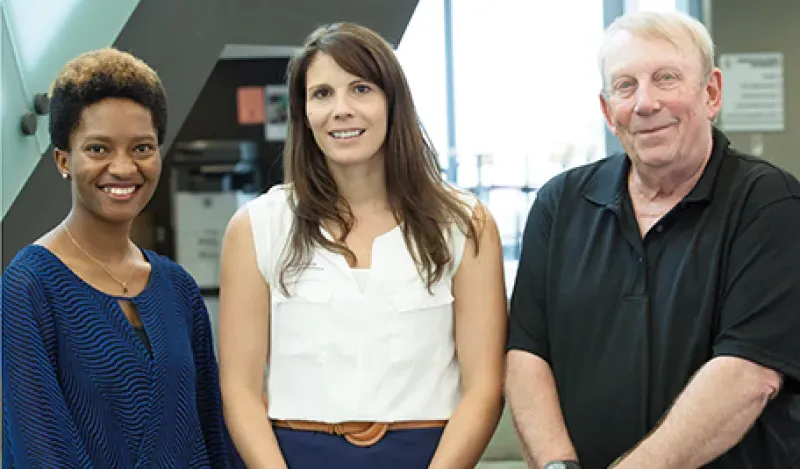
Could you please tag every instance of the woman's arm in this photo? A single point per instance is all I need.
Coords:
(38, 427)
(221, 453)
(480, 328)
(244, 312)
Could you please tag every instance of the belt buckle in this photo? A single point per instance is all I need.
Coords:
(369, 436)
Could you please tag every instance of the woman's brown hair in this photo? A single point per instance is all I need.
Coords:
(418, 195)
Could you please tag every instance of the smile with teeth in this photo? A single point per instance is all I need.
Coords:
(120, 191)
(347, 133)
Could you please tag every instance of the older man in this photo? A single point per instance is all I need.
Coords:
(655, 319)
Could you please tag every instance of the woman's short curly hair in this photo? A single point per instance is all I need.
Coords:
(94, 76)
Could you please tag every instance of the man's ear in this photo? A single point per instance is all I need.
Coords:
(606, 108)
(714, 92)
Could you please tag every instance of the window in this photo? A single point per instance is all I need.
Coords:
(526, 84)
(650, 5)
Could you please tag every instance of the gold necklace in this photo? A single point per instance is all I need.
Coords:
(124, 284)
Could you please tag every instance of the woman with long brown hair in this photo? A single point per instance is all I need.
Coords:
(369, 289)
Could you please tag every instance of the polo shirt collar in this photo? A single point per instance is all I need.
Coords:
(608, 184)
(704, 189)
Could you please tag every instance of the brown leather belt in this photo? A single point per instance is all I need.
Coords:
(358, 433)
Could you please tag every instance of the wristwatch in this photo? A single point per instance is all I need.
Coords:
(562, 465)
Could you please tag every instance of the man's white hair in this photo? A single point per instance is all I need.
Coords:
(673, 27)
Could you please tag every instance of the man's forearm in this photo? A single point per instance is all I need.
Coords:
(535, 408)
(712, 415)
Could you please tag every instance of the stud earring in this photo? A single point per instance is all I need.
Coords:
(65, 175)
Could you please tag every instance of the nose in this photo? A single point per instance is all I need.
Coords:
(647, 102)
(122, 165)
(342, 107)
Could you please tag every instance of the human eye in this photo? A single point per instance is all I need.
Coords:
(668, 78)
(144, 149)
(96, 149)
(624, 87)
(320, 93)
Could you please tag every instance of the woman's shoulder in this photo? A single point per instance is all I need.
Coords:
(163, 265)
(174, 280)
(470, 205)
(271, 209)
(33, 254)
(32, 274)
(276, 196)
(34, 261)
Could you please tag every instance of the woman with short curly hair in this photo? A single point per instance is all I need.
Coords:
(108, 359)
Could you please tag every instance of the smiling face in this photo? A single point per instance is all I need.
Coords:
(658, 101)
(346, 114)
(114, 161)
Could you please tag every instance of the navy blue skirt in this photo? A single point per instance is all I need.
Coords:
(398, 449)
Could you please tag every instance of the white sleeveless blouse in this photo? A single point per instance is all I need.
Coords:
(340, 351)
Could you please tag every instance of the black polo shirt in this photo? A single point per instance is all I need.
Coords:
(625, 321)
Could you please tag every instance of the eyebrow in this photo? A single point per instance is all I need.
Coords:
(321, 85)
(626, 71)
(104, 138)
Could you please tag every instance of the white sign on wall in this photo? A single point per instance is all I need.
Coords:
(752, 92)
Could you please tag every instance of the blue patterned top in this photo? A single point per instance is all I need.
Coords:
(81, 390)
